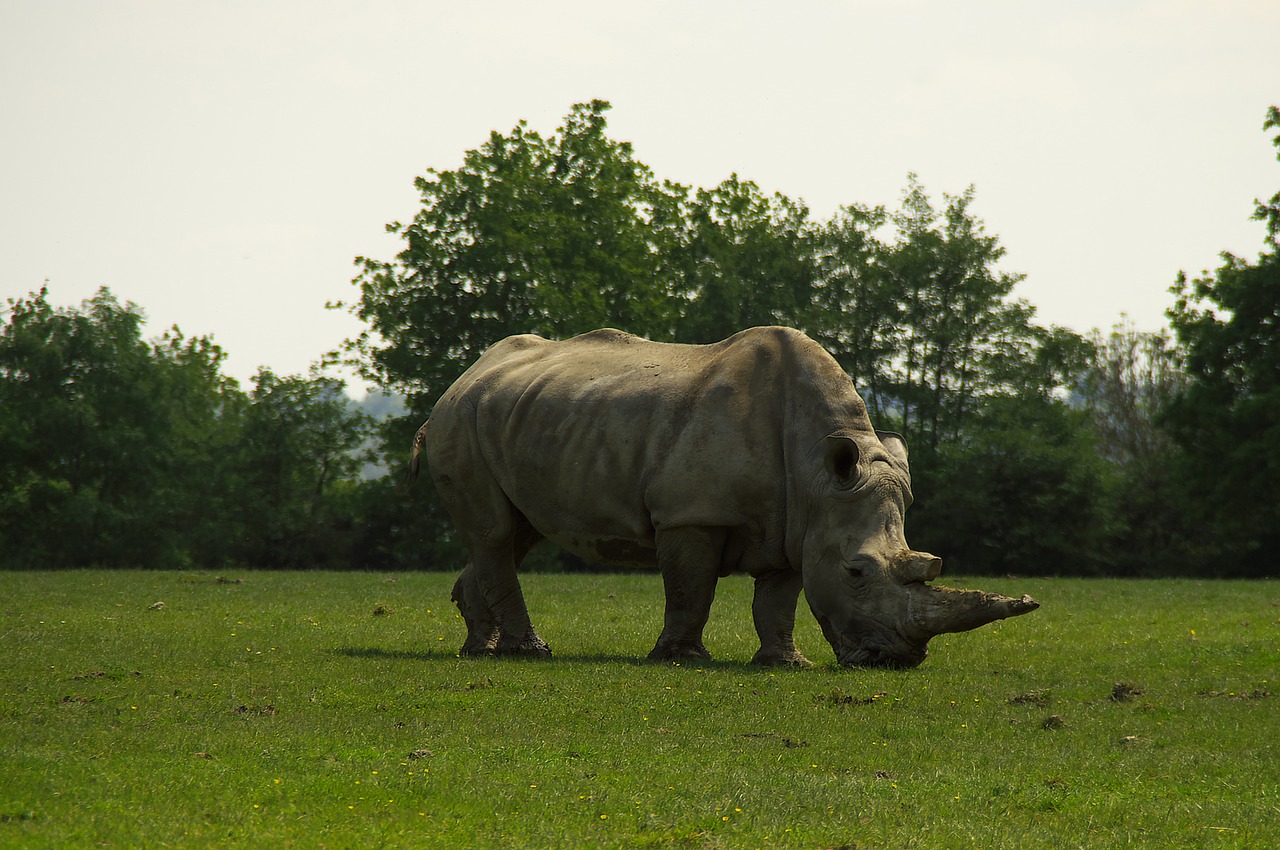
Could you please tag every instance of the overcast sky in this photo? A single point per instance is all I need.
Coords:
(221, 164)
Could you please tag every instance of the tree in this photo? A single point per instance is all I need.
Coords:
(924, 321)
(571, 232)
(1226, 418)
(960, 337)
(301, 446)
(926, 326)
(122, 452)
(1023, 490)
(854, 310)
(1126, 392)
(554, 235)
(104, 435)
(746, 262)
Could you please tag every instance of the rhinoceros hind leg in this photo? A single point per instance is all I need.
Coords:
(774, 610)
(690, 562)
(529, 646)
(523, 644)
(494, 568)
(482, 628)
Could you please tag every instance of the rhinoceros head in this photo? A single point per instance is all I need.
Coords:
(868, 590)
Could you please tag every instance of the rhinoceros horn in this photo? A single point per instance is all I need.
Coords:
(938, 610)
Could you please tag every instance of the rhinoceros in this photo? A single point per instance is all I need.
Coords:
(754, 454)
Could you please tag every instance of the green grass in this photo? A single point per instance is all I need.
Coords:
(282, 711)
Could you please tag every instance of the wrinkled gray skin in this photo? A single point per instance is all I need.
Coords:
(754, 454)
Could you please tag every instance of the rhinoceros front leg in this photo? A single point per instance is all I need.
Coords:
(774, 611)
(689, 559)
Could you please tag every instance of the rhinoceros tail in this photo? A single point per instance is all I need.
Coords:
(415, 456)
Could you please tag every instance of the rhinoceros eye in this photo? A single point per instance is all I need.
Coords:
(859, 566)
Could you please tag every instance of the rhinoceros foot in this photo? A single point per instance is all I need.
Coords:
(680, 651)
(478, 645)
(781, 659)
(531, 646)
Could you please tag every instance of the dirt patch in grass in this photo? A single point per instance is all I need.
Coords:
(256, 710)
(839, 697)
(1039, 699)
(1256, 693)
(1125, 692)
(789, 743)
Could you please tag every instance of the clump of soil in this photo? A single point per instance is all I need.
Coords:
(256, 710)
(789, 743)
(839, 697)
(1038, 698)
(1256, 693)
(1125, 692)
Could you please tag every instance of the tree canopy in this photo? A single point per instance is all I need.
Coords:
(1226, 416)
(125, 452)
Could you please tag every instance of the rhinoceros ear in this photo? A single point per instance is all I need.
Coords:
(895, 443)
(841, 460)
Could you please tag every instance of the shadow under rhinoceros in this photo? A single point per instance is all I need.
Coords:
(380, 653)
(374, 652)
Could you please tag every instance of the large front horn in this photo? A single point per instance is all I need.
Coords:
(938, 610)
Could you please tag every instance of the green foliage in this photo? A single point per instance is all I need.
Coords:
(854, 311)
(1023, 491)
(925, 324)
(101, 432)
(1226, 418)
(746, 262)
(277, 709)
(122, 452)
(945, 334)
(301, 447)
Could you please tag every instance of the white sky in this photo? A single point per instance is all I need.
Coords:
(222, 163)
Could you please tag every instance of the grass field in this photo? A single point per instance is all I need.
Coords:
(330, 710)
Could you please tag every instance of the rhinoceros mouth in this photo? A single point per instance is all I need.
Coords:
(870, 656)
(873, 650)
